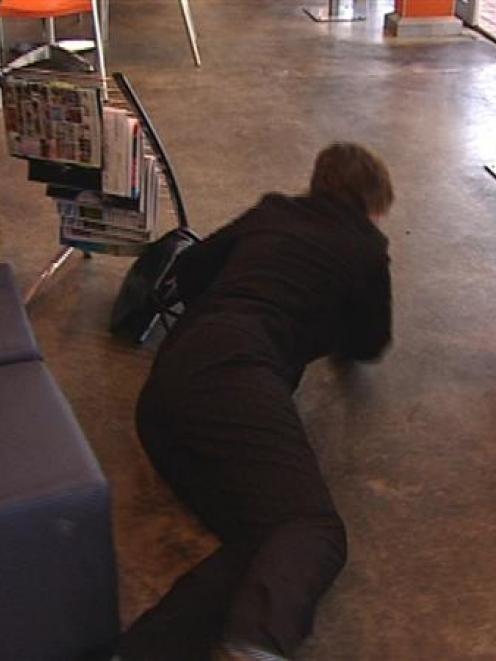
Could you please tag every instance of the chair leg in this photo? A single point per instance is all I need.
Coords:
(99, 46)
(104, 19)
(3, 46)
(51, 31)
(190, 29)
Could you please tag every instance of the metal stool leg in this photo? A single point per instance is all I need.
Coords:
(99, 46)
(190, 29)
(3, 46)
(58, 260)
(3, 57)
(51, 31)
(104, 19)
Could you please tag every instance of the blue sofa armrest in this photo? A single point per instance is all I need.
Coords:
(57, 571)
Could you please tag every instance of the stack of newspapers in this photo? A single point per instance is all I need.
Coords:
(94, 157)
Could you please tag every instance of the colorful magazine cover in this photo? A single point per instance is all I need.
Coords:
(53, 120)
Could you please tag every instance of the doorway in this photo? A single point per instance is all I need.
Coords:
(478, 14)
(487, 17)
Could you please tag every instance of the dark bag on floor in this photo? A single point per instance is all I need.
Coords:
(149, 288)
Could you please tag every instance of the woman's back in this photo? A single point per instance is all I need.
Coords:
(289, 268)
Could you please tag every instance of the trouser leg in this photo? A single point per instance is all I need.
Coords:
(187, 622)
(261, 599)
(240, 459)
(274, 606)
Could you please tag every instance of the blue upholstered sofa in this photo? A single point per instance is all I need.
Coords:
(57, 572)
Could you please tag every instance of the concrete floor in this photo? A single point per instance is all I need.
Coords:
(408, 446)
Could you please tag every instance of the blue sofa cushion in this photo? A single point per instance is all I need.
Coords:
(17, 341)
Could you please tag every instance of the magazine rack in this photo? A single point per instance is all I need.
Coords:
(116, 94)
(159, 298)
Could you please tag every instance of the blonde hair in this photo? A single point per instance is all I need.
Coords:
(351, 173)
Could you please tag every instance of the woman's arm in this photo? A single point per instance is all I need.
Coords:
(367, 321)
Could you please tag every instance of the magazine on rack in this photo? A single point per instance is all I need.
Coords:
(123, 153)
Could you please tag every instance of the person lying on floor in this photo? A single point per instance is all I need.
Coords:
(291, 280)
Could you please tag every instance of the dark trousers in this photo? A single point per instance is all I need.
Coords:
(224, 433)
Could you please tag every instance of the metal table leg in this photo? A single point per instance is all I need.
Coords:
(190, 29)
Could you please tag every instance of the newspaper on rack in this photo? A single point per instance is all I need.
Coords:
(53, 119)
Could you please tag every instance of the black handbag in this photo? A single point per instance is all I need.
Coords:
(148, 292)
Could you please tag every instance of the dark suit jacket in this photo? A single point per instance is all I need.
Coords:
(308, 274)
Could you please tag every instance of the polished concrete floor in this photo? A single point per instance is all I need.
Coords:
(409, 445)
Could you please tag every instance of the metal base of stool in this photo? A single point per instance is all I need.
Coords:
(337, 11)
(76, 45)
(60, 59)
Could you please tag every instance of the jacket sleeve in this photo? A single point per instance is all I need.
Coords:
(366, 330)
(197, 267)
